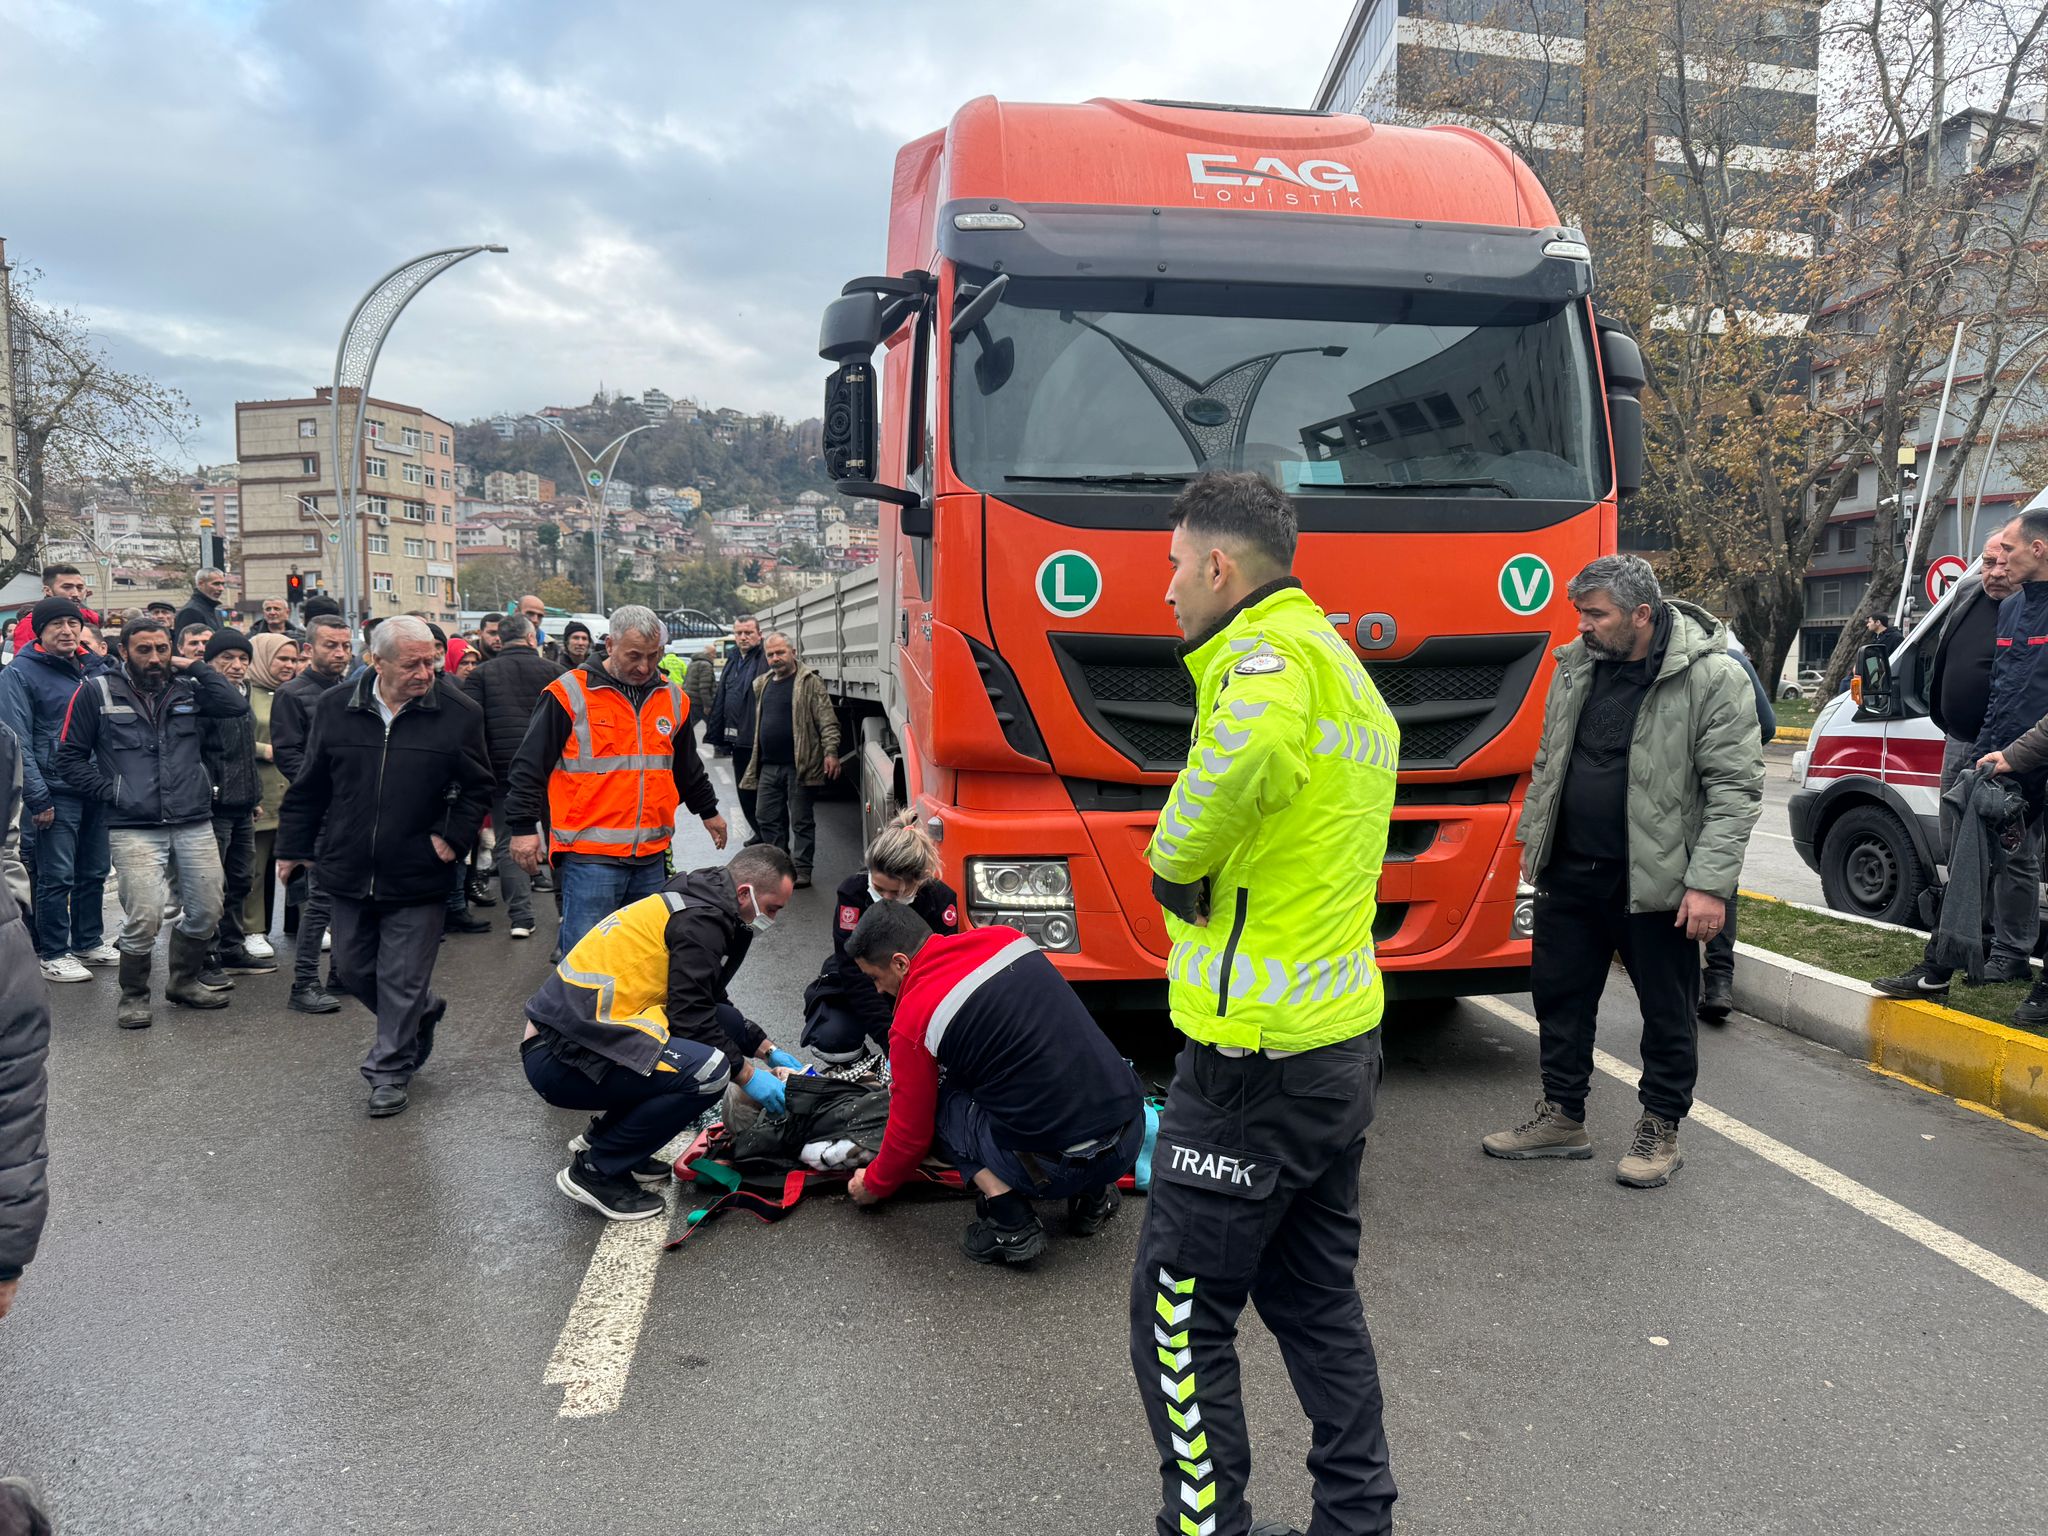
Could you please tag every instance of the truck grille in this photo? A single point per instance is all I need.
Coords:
(1451, 697)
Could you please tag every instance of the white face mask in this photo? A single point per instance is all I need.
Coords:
(873, 894)
(760, 922)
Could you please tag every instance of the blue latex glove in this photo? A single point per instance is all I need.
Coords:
(781, 1058)
(765, 1089)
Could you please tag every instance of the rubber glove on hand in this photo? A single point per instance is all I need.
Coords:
(781, 1058)
(765, 1089)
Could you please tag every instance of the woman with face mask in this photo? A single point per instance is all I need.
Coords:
(846, 1021)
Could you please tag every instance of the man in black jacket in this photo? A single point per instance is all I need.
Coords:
(393, 789)
(508, 686)
(328, 658)
(134, 739)
(203, 606)
(24, 1040)
(635, 1023)
(732, 709)
(229, 747)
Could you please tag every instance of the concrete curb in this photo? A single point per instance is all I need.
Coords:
(1798, 735)
(1985, 1065)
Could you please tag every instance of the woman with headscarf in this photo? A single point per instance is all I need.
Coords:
(274, 662)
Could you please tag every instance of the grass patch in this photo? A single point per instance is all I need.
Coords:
(1858, 950)
(1796, 712)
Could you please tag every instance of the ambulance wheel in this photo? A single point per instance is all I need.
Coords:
(1868, 866)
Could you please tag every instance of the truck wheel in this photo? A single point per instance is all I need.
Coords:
(1868, 866)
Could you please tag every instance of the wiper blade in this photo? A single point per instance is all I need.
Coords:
(1135, 477)
(1503, 486)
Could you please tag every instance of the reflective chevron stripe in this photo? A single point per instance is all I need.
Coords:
(1174, 1304)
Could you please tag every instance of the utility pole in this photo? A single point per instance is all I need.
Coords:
(595, 471)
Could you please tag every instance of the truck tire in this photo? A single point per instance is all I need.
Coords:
(1869, 866)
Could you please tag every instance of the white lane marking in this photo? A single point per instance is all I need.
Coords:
(594, 1355)
(2022, 1285)
(1779, 836)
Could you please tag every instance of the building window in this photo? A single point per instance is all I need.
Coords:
(415, 512)
(411, 473)
(376, 469)
(416, 548)
(446, 515)
(310, 543)
(309, 427)
(376, 506)
(1848, 540)
(444, 443)
(380, 543)
(410, 436)
(380, 581)
(419, 586)
(373, 428)
(309, 465)
(447, 550)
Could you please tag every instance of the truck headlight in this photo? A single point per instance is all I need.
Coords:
(1034, 896)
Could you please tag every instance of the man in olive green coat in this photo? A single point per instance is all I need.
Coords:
(1648, 779)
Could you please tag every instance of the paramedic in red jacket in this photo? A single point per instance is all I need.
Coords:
(992, 1055)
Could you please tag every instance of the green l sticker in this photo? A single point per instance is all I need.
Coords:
(1525, 584)
(1069, 584)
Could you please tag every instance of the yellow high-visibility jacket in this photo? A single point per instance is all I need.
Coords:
(1283, 808)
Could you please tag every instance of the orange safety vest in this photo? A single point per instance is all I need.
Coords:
(614, 791)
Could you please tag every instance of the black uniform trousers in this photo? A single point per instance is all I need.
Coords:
(1255, 1196)
(1582, 922)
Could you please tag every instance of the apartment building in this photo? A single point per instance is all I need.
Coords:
(405, 506)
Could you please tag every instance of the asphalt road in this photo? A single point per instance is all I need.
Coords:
(1772, 865)
(259, 1312)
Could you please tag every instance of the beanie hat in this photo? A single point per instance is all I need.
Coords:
(225, 640)
(51, 609)
(575, 627)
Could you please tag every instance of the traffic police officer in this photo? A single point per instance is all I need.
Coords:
(1266, 860)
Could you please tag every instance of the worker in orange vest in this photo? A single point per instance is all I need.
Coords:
(609, 755)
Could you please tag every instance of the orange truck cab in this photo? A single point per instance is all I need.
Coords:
(1084, 307)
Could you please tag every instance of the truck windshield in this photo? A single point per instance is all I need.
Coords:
(1120, 387)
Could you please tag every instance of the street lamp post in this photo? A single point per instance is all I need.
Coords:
(355, 360)
(595, 471)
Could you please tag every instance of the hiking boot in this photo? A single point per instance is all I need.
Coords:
(613, 1199)
(132, 1011)
(1653, 1156)
(2002, 968)
(241, 960)
(313, 1000)
(1553, 1133)
(1717, 997)
(2033, 1013)
(478, 889)
(386, 1099)
(649, 1171)
(187, 986)
(1088, 1214)
(1923, 980)
(1006, 1231)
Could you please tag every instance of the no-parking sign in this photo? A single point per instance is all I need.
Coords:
(1943, 574)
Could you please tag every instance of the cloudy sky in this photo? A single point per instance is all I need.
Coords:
(682, 186)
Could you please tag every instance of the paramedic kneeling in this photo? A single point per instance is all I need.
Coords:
(635, 1023)
(1034, 1102)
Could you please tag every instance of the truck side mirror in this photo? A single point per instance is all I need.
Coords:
(1621, 361)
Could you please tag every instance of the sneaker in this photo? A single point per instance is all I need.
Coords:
(2002, 968)
(987, 1241)
(259, 946)
(65, 968)
(521, 930)
(99, 954)
(1653, 1156)
(1923, 980)
(1552, 1133)
(613, 1199)
(2033, 1013)
(1088, 1214)
(214, 979)
(243, 961)
(649, 1171)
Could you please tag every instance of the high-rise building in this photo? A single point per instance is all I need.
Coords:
(405, 503)
(517, 485)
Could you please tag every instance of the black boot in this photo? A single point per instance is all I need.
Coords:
(478, 890)
(188, 958)
(132, 1011)
(1717, 997)
(1005, 1231)
(462, 922)
(2033, 1013)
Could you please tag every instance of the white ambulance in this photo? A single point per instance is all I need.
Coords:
(1866, 814)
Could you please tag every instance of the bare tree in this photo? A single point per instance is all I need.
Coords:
(80, 419)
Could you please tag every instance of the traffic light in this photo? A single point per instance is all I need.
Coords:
(294, 589)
